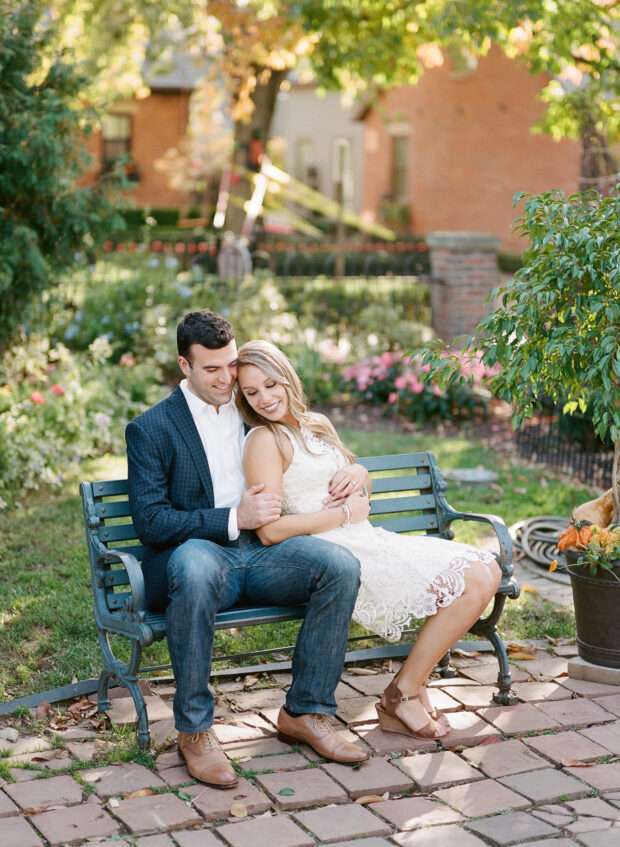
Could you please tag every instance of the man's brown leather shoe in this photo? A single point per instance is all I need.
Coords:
(205, 759)
(317, 732)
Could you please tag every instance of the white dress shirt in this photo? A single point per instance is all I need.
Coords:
(222, 435)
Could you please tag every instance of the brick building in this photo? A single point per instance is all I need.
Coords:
(145, 129)
(452, 150)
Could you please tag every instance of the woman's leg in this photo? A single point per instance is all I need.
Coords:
(438, 633)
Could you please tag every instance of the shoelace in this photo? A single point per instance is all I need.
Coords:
(322, 724)
(207, 738)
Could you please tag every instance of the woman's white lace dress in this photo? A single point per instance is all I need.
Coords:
(402, 576)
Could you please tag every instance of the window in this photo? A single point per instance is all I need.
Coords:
(399, 177)
(305, 162)
(116, 138)
(342, 172)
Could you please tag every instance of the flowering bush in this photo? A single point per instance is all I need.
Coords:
(405, 384)
(58, 408)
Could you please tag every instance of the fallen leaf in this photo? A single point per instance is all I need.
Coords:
(113, 803)
(249, 681)
(43, 711)
(490, 739)
(369, 798)
(521, 653)
(575, 763)
(140, 792)
(529, 589)
(363, 671)
(286, 792)
(465, 654)
(238, 810)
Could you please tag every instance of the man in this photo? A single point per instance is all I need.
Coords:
(201, 554)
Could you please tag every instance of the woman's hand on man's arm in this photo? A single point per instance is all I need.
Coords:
(350, 480)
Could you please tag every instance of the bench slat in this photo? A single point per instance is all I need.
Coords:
(118, 532)
(395, 461)
(383, 484)
(402, 504)
(114, 509)
(412, 524)
(116, 577)
(110, 488)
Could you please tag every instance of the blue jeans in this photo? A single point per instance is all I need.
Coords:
(205, 578)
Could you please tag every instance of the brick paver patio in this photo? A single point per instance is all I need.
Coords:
(546, 772)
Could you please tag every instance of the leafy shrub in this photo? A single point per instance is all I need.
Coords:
(46, 217)
(58, 408)
(403, 383)
(509, 262)
(393, 310)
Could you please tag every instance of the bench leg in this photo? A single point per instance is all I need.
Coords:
(445, 669)
(103, 700)
(126, 675)
(503, 697)
(487, 628)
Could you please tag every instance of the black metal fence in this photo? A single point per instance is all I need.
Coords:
(567, 445)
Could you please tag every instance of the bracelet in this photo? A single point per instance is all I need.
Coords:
(347, 514)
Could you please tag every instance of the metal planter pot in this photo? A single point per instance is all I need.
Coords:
(597, 613)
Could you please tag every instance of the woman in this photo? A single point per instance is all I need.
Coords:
(295, 453)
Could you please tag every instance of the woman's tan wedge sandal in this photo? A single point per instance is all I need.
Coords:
(390, 722)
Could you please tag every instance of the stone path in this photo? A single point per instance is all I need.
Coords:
(543, 772)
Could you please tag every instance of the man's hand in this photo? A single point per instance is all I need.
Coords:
(352, 479)
(257, 508)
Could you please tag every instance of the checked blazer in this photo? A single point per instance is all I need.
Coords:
(170, 489)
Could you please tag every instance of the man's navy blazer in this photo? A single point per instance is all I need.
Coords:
(170, 489)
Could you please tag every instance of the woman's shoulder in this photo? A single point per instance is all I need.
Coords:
(258, 435)
(263, 440)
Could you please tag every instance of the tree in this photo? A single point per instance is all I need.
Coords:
(45, 217)
(556, 330)
(356, 45)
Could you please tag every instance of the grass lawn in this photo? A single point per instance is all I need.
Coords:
(47, 634)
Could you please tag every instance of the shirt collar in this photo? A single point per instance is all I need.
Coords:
(197, 406)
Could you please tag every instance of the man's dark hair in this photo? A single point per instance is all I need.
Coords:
(206, 328)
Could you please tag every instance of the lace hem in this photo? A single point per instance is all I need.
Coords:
(445, 588)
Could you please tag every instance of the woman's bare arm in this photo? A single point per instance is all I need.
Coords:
(263, 463)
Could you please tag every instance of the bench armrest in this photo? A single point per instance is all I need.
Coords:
(508, 585)
(134, 605)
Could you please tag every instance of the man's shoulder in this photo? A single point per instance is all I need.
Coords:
(158, 415)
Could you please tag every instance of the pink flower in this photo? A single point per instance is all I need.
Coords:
(37, 398)
(386, 359)
(393, 397)
(436, 390)
(127, 360)
(58, 390)
(416, 386)
(400, 382)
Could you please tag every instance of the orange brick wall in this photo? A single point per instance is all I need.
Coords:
(159, 123)
(471, 148)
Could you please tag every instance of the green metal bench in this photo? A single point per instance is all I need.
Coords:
(408, 496)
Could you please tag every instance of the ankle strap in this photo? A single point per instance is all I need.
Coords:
(393, 694)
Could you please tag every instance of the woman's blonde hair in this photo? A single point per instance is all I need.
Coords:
(273, 363)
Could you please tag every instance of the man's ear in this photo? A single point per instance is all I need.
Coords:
(184, 365)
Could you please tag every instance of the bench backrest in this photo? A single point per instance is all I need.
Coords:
(407, 491)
